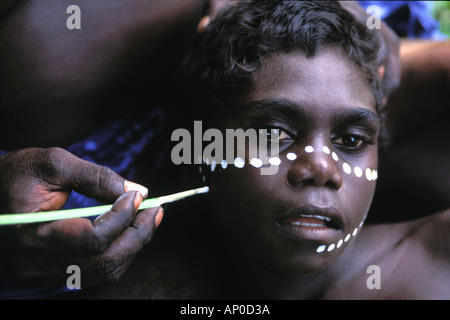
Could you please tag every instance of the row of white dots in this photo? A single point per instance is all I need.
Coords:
(331, 247)
(370, 174)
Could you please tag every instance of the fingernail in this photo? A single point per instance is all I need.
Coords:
(137, 200)
(381, 70)
(131, 186)
(159, 216)
(204, 22)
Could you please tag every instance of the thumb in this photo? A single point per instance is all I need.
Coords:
(95, 181)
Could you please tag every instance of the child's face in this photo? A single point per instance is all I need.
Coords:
(301, 218)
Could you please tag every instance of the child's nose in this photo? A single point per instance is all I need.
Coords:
(314, 167)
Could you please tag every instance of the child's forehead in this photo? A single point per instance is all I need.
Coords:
(329, 77)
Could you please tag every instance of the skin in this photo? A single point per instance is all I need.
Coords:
(415, 164)
(247, 255)
(74, 79)
(57, 85)
(324, 86)
(71, 81)
(73, 107)
(315, 180)
(41, 252)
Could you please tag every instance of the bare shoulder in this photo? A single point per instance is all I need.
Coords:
(434, 233)
(428, 256)
(413, 258)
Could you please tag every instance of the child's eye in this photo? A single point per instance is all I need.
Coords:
(351, 142)
(272, 134)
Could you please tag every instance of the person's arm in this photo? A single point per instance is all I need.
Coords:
(425, 86)
(5, 6)
(58, 83)
(33, 180)
(431, 269)
(414, 160)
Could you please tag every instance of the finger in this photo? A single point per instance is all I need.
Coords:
(95, 269)
(85, 177)
(82, 236)
(116, 259)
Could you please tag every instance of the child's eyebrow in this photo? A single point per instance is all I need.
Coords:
(296, 109)
(287, 107)
(355, 115)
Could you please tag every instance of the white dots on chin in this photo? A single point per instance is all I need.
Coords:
(321, 248)
(331, 247)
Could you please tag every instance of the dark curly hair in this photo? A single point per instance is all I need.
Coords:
(224, 57)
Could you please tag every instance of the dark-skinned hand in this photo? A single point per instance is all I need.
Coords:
(33, 180)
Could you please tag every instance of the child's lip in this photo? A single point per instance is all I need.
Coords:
(311, 216)
(312, 223)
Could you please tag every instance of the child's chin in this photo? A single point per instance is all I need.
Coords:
(299, 263)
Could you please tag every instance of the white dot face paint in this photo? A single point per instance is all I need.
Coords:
(347, 168)
(309, 149)
(374, 175)
(321, 248)
(369, 174)
(224, 164)
(239, 162)
(326, 150)
(257, 163)
(358, 172)
(291, 156)
(332, 246)
(334, 156)
(275, 161)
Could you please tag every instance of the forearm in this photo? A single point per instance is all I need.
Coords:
(51, 74)
(424, 91)
(5, 6)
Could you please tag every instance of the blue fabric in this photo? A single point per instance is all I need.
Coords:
(411, 19)
(116, 145)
